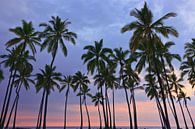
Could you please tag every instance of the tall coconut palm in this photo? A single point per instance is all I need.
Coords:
(55, 34)
(67, 83)
(97, 100)
(47, 80)
(15, 61)
(80, 80)
(188, 65)
(145, 31)
(185, 98)
(22, 78)
(96, 58)
(119, 57)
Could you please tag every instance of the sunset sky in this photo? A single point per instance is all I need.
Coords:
(91, 20)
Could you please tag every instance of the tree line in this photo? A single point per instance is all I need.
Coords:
(112, 69)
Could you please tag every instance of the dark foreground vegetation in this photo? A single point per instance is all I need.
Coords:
(112, 69)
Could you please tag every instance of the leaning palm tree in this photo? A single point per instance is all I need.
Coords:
(97, 100)
(67, 83)
(96, 58)
(80, 80)
(47, 80)
(188, 64)
(185, 98)
(21, 78)
(55, 33)
(145, 31)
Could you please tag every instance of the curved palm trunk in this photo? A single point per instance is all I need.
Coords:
(186, 126)
(8, 100)
(108, 108)
(170, 95)
(65, 107)
(16, 108)
(89, 123)
(114, 123)
(163, 94)
(190, 116)
(5, 98)
(81, 112)
(134, 110)
(160, 115)
(39, 119)
(129, 109)
(100, 116)
(45, 111)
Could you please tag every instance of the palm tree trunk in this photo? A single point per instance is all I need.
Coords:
(45, 111)
(89, 123)
(81, 112)
(114, 123)
(129, 109)
(16, 108)
(186, 126)
(108, 110)
(39, 119)
(100, 116)
(134, 110)
(8, 101)
(65, 107)
(170, 95)
(190, 116)
(163, 94)
(160, 115)
(5, 98)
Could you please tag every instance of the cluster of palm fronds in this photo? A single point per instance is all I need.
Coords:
(112, 69)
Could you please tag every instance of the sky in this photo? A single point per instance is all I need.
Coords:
(92, 20)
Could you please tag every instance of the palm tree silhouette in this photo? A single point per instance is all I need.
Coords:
(66, 82)
(96, 58)
(80, 80)
(47, 80)
(97, 99)
(147, 32)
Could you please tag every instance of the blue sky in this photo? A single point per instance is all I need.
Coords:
(91, 20)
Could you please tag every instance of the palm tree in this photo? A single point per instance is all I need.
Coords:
(22, 77)
(14, 61)
(56, 33)
(66, 82)
(96, 58)
(26, 36)
(97, 99)
(188, 64)
(145, 31)
(80, 80)
(48, 79)
(1, 75)
(184, 96)
(177, 87)
(84, 93)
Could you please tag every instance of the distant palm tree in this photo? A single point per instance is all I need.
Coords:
(184, 96)
(47, 80)
(188, 64)
(96, 58)
(80, 80)
(177, 87)
(145, 31)
(55, 33)
(67, 82)
(97, 99)
(84, 93)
